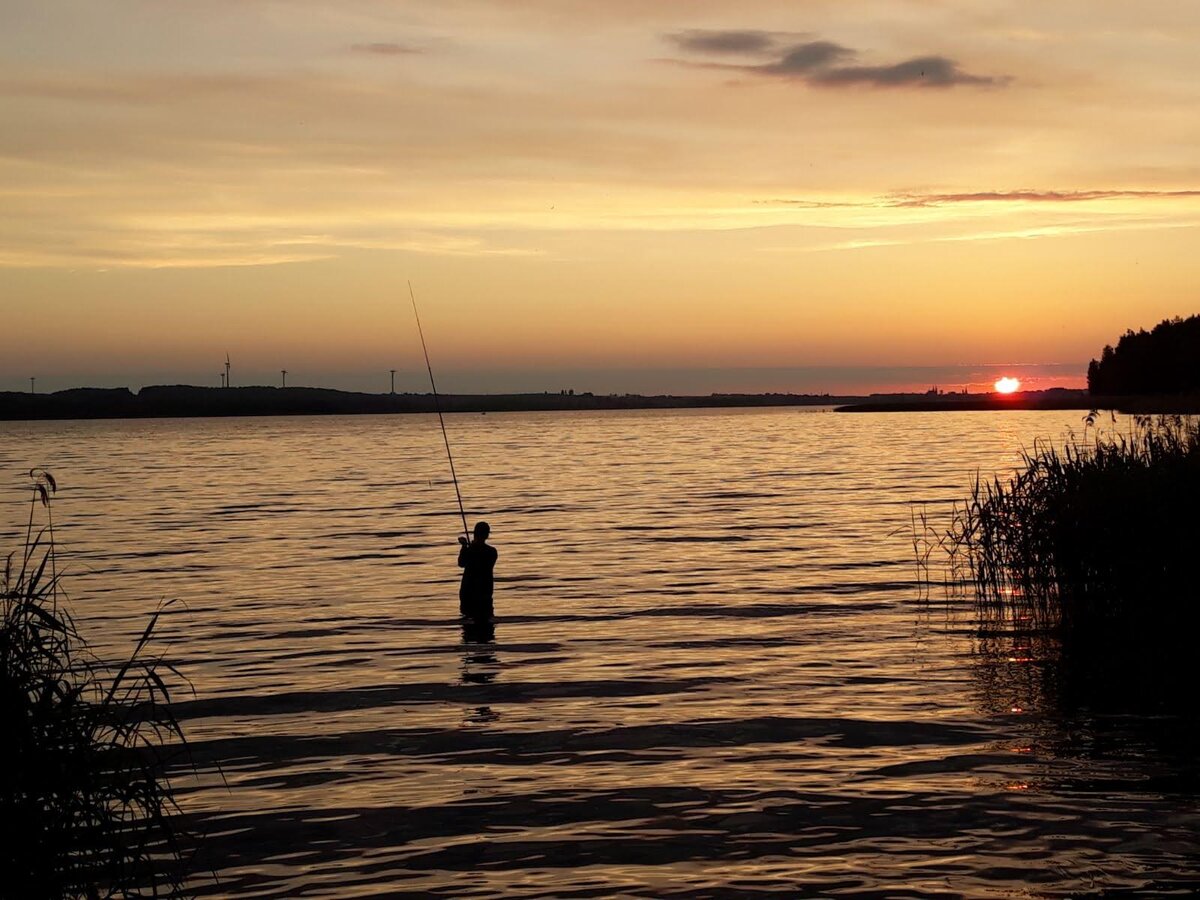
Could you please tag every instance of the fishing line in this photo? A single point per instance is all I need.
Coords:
(437, 404)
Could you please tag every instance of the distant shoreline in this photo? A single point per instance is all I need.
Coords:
(1176, 404)
(184, 401)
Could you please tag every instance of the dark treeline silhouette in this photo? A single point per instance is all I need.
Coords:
(187, 401)
(1164, 360)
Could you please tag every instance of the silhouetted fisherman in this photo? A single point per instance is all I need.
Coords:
(477, 560)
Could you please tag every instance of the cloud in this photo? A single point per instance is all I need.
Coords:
(385, 49)
(814, 204)
(822, 63)
(928, 201)
(912, 201)
(163, 241)
(923, 71)
(1033, 233)
(803, 59)
(746, 42)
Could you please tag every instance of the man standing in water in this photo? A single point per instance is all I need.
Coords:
(477, 560)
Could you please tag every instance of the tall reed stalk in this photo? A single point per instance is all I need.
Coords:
(87, 809)
(1098, 538)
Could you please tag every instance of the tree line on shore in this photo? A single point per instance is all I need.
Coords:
(1163, 360)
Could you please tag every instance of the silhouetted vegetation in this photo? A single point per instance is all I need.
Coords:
(1164, 360)
(185, 400)
(87, 809)
(1052, 398)
(1093, 543)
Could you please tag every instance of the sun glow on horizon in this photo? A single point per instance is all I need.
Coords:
(1007, 385)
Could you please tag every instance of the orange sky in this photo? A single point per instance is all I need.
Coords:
(583, 187)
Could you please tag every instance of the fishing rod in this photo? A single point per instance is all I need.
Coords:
(437, 404)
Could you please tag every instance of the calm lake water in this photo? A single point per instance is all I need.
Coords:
(712, 673)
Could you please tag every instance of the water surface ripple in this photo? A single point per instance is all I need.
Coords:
(711, 675)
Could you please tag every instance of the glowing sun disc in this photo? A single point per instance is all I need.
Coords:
(1007, 385)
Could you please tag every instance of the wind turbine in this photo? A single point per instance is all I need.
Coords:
(393, 371)
(283, 372)
(227, 382)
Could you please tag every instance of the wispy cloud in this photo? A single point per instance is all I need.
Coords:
(736, 42)
(1032, 196)
(386, 49)
(823, 63)
(1033, 233)
(1025, 195)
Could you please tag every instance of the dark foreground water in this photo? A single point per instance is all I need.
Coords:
(711, 675)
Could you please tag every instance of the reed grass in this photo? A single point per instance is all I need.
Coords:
(1094, 541)
(88, 810)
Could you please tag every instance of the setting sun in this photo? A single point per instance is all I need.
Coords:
(1007, 385)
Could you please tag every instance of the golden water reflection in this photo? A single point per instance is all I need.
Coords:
(712, 672)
